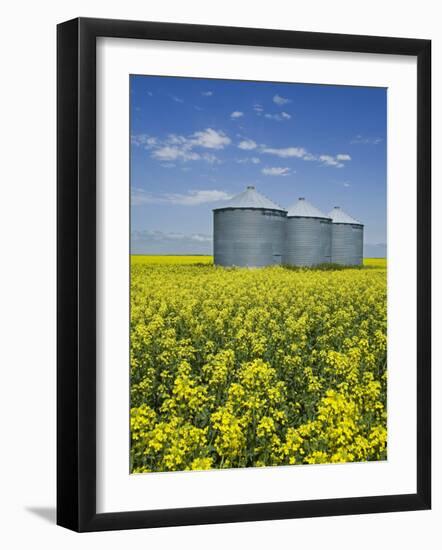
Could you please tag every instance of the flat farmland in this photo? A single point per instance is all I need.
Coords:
(256, 367)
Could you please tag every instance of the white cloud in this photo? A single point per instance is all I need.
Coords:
(346, 184)
(143, 140)
(168, 152)
(201, 238)
(286, 152)
(366, 140)
(236, 114)
(174, 139)
(247, 144)
(211, 139)
(337, 161)
(279, 100)
(247, 160)
(207, 94)
(309, 156)
(276, 171)
(177, 99)
(193, 197)
(177, 147)
(343, 157)
(259, 110)
(299, 152)
(328, 160)
(278, 116)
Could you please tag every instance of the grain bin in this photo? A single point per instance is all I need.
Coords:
(248, 231)
(308, 235)
(347, 238)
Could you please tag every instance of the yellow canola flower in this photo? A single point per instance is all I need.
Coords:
(237, 367)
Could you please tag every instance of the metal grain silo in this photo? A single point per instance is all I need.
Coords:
(308, 235)
(248, 231)
(347, 238)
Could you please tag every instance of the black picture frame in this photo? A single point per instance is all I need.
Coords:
(76, 274)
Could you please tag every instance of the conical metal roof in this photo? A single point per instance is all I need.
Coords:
(339, 216)
(250, 198)
(303, 209)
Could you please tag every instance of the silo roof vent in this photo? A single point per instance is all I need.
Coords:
(339, 216)
(303, 209)
(250, 198)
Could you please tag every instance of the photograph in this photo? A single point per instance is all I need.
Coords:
(219, 298)
(258, 274)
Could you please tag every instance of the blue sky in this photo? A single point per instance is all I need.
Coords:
(196, 142)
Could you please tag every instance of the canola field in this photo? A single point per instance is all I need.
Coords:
(256, 367)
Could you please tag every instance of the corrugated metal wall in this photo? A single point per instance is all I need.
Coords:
(248, 237)
(347, 244)
(307, 241)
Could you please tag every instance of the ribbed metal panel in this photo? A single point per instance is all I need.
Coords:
(326, 241)
(308, 235)
(308, 241)
(347, 244)
(248, 237)
(347, 238)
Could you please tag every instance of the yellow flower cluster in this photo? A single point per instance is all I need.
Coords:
(236, 368)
